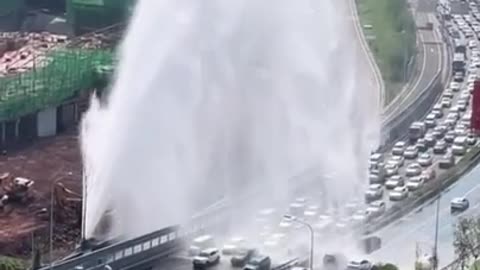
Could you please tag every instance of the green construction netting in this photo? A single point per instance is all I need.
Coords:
(65, 73)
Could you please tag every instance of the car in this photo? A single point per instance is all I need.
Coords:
(413, 169)
(359, 265)
(430, 140)
(447, 161)
(440, 147)
(235, 245)
(446, 103)
(455, 86)
(411, 152)
(258, 263)
(376, 159)
(415, 183)
(241, 259)
(399, 148)
(391, 169)
(428, 175)
(398, 160)
(398, 193)
(334, 261)
(200, 243)
(425, 160)
(395, 181)
(438, 113)
(430, 121)
(376, 209)
(374, 192)
(439, 131)
(458, 150)
(459, 204)
(458, 77)
(421, 145)
(471, 140)
(448, 94)
(460, 130)
(376, 178)
(206, 257)
(462, 105)
(450, 136)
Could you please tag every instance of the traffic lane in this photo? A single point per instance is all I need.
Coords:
(419, 226)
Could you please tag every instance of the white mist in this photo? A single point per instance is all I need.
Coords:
(215, 97)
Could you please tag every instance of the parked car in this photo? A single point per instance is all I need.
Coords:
(391, 169)
(421, 145)
(399, 160)
(376, 208)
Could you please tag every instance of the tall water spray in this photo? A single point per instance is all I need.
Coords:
(215, 97)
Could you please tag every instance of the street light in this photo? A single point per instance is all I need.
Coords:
(310, 228)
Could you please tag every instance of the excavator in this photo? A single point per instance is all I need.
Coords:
(15, 189)
(68, 204)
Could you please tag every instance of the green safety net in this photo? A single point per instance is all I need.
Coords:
(65, 73)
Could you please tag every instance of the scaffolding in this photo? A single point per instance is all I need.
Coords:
(62, 74)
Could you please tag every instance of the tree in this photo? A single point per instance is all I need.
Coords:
(387, 266)
(467, 240)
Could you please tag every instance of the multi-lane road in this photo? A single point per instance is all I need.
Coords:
(419, 226)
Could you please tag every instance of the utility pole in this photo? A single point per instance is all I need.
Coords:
(435, 246)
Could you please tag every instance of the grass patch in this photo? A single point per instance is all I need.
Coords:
(391, 38)
(9, 263)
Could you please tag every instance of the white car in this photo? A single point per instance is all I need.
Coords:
(413, 169)
(399, 148)
(395, 181)
(391, 169)
(359, 265)
(398, 194)
(455, 86)
(376, 208)
(399, 160)
(458, 150)
(459, 204)
(374, 192)
(415, 183)
(448, 94)
(411, 152)
(206, 257)
(425, 160)
(446, 103)
(430, 121)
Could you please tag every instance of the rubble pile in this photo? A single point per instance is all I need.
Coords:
(20, 52)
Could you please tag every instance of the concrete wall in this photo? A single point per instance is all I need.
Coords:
(47, 122)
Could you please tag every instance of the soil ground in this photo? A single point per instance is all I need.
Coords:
(45, 161)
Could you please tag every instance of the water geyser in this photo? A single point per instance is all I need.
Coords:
(214, 97)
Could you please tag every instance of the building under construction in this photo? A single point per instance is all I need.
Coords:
(45, 80)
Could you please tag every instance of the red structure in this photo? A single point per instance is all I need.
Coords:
(475, 122)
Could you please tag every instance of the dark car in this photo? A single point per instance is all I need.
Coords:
(242, 258)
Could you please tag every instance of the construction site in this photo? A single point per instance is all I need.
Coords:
(51, 62)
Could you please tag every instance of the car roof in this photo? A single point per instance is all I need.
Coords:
(211, 249)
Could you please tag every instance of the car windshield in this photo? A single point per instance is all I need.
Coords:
(204, 254)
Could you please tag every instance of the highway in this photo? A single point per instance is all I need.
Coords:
(429, 60)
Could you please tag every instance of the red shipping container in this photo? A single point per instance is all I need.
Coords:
(475, 121)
